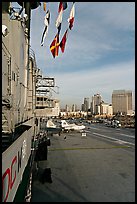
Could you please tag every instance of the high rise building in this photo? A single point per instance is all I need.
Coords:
(122, 101)
(83, 108)
(74, 107)
(67, 109)
(95, 105)
(86, 104)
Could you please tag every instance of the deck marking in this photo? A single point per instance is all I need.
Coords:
(87, 148)
(111, 138)
(130, 136)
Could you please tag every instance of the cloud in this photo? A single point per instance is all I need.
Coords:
(74, 87)
(99, 54)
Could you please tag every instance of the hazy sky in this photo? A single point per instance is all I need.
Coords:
(99, 55)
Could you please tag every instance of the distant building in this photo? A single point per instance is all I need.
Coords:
(95, 105)
(122, 101)
(86, 104)
(74, 107)
(110, 109)
(83, 107)
(106, 109)
(67, 109)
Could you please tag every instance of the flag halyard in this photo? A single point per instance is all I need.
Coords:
(55, 45)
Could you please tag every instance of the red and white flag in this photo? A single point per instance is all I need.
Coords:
(59, 18)
(63, 41)
(71, 16)
(62, 4)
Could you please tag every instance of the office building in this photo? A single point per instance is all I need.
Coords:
(106, 109)
(95, 105)
(86, 104)
(122, 101)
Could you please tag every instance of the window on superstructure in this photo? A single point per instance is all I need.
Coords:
(13, 76)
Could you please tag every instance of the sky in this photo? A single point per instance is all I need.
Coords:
(99, 54)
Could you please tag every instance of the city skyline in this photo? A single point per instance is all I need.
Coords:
(90, 99)
(99, 55)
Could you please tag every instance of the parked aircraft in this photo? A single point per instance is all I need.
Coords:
(67, 126)
(52, 128)
(50, 124)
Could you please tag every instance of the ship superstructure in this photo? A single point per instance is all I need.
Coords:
(20, 110)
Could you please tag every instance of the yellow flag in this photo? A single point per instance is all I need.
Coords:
(44, 6)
